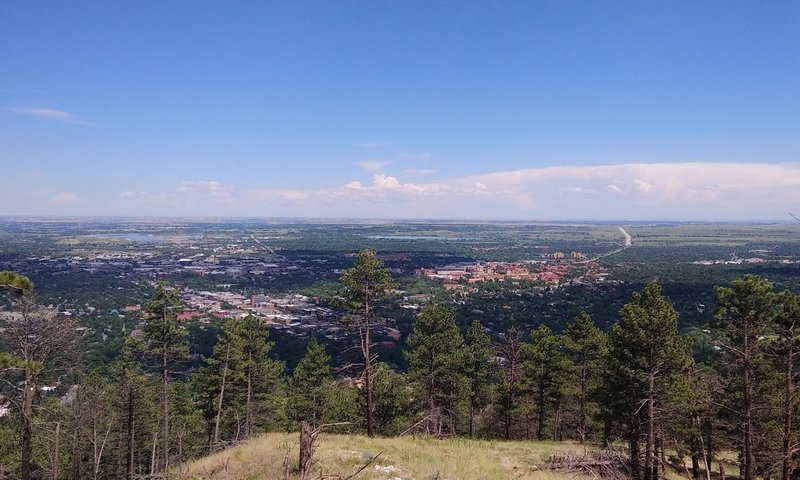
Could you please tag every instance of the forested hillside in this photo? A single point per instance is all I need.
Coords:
(642, 387)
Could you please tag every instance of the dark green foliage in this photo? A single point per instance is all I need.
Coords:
(545, 367)
(309, 385)
(436, 359)
(16, 282)
(746, 312)
(478, 370)
(365, 285)
(649, 361)
(637, 384)
(164, 338)
(367, 282)
(586, 349)
(253, 390)
(394, 411)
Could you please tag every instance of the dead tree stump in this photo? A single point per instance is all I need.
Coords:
(307, 437)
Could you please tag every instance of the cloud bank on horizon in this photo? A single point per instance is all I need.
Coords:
(635, 191)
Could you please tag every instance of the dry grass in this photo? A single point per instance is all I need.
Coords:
(401, 458)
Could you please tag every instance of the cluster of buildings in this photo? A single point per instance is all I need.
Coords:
(287, 309)
(563, 256)
(459, 275)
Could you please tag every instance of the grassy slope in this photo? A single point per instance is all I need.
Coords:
(402, 458)
(406, 458)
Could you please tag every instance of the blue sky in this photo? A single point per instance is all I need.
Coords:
(486, 110)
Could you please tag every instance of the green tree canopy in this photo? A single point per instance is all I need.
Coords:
(436, 359)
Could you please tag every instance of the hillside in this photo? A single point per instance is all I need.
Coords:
(404, 458)
(421, 458)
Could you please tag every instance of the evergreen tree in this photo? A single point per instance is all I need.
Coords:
(745, 313)
(650, 358)
(309, 385)
(255, 376)
(510, 378)
(478, 370)
(166, 343)
(393, 407)
(787, 323)
(186, 422)
(40, 346)
(586, 348)
(135, 405)
(365, 285)
(545, 366)
(436, 359)
(15, 282)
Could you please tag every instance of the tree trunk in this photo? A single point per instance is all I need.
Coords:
(77, 434)
(471, 418)
(650, 472)
(221, 395)
(634, 449)
(153, 454)
(582, 407)
(748, 457)
(707, 444)
(788, 413)
(365, 348)
(248, 411)
(165, 366)
(432, 413)
(131, 435)
(540, 416)
(306, 449)
(95, 446)
(695, 449)
(27, 426)
(56, 452)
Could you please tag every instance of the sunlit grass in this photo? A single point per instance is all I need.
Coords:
(401, 458)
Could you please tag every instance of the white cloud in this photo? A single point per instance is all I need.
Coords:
(706, 191)
(373, 165)
(52, 114)
(643, 186)
(189, 197)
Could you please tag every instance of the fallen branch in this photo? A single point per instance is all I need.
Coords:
(364, 466)
(412, 427)
(604, 465)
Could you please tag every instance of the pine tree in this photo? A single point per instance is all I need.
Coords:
(745, 313)
(186, 421)
(133, 405)
(509, 371)
(165, 342)
(15, 282)
(787, 323)
(650, 358)
(545, 366)
(256, 377)
(309, 385)
(478, 370)
(393, 407)
(436, 358)
(586, 348)
(40, 346)
(366, 284)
